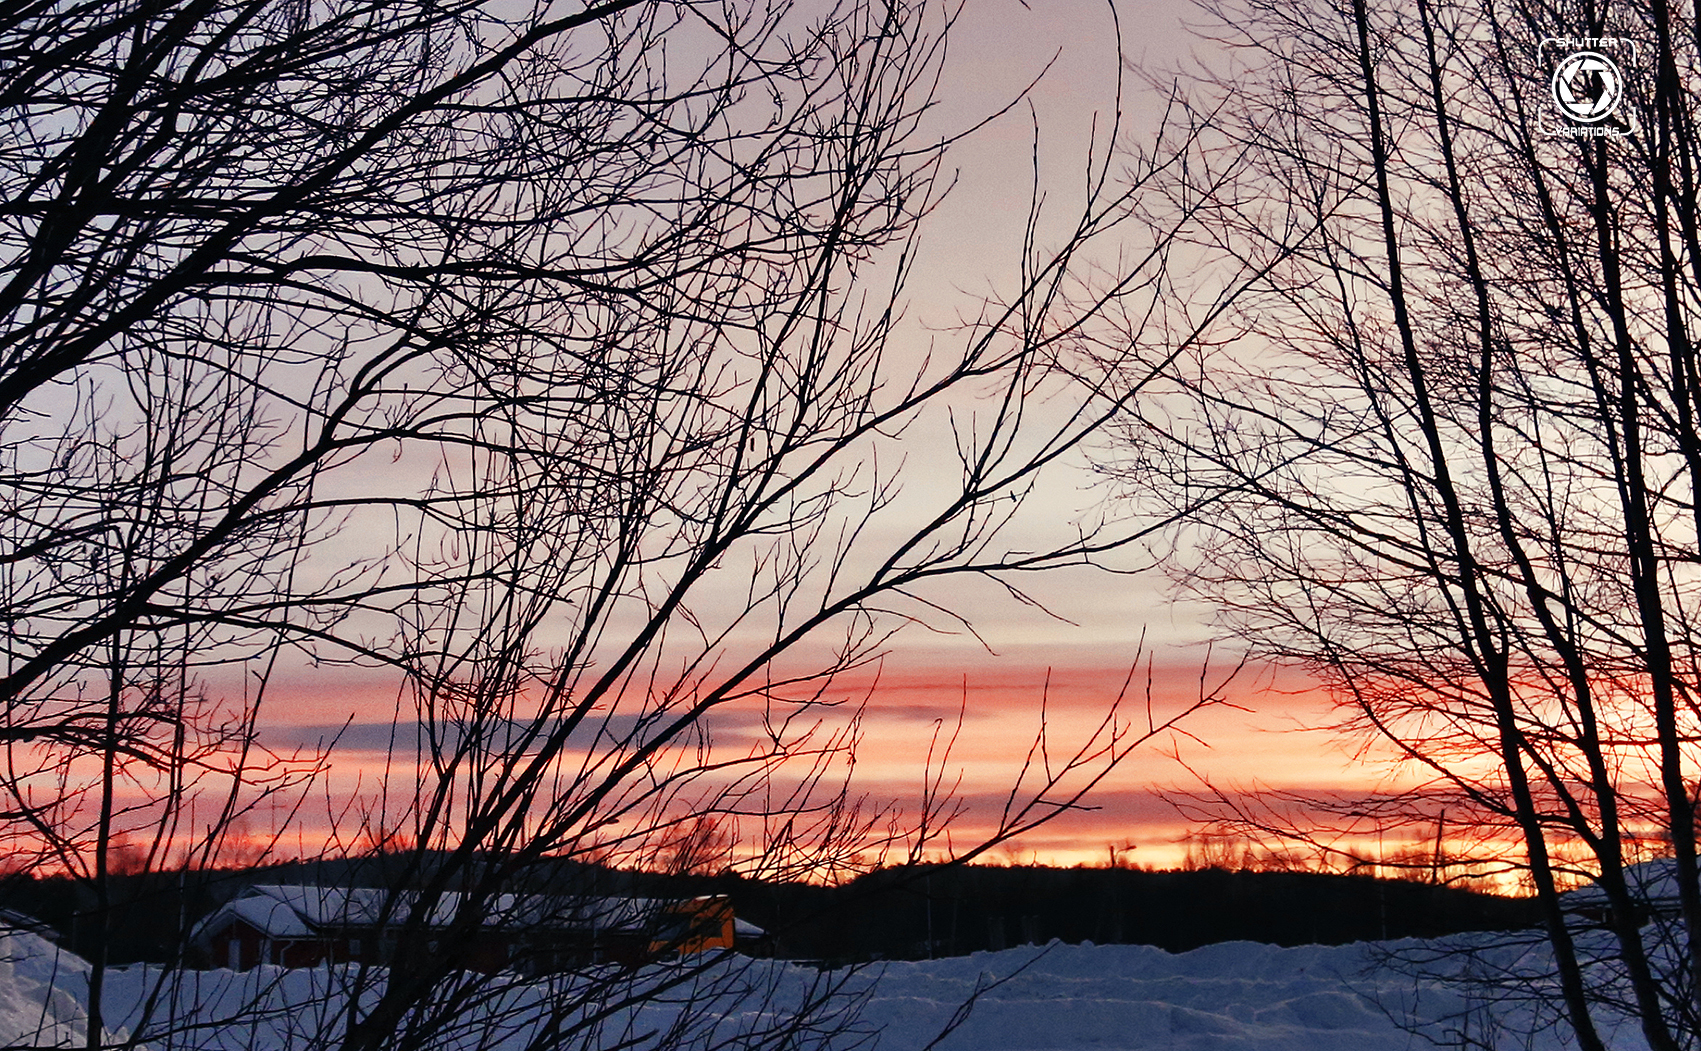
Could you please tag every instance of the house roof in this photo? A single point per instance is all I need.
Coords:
(286, 912)
(11, 919)
(746, 929)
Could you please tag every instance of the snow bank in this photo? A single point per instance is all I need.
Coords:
(43, 994)
(1235, 996)
(1229, 997)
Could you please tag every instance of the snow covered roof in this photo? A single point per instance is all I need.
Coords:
(11, 919)
(307, 911)
(746, 929)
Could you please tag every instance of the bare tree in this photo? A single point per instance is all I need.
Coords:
(555, 362)
(1454, 463)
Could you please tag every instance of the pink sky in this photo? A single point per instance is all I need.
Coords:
(916, 706)
(1000, 46)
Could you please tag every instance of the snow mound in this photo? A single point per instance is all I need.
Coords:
(1224, 997)
(40, 1005)
(1239, 996)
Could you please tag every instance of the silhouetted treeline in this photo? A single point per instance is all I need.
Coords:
(897, 914)
(891, 914)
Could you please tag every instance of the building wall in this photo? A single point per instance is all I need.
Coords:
(242, 947)
(238, 947)
(699, 925)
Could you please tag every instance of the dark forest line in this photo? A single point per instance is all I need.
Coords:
(899, 913)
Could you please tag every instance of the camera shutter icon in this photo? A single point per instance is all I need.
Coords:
(1587, 86)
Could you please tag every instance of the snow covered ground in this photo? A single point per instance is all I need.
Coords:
(1226, 997)
(1060, 998)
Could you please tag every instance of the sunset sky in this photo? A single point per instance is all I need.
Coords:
(552, 474)
(1086, 650)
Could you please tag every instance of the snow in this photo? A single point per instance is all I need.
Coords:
(43, 994)
(1652, 883)
(1223, 997)
(1236, 995)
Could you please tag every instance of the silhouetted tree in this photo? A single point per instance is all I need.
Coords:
(1455, 464)
(552, 360)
